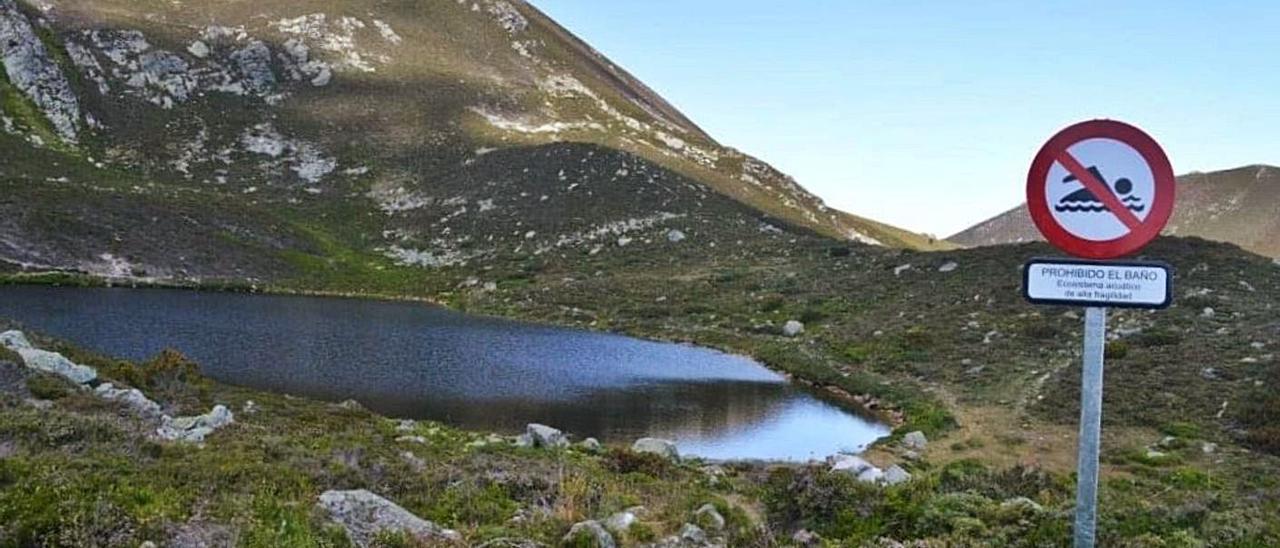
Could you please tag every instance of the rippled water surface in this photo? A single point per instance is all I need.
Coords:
(418, 361)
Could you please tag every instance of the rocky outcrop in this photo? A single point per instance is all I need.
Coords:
(365, 515)
(131, 398)
(194, 429)
(43, 360)
(33, 71)
(656, 446)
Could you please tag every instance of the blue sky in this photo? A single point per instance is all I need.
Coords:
(927, 114)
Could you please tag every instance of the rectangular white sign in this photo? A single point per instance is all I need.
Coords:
(1095, 283)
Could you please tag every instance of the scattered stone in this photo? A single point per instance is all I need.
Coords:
(693, 534)
(708, 518)
(194, 429)
(623, 241)
(857, 467)
(675, 236)
(792, 328)
(1257, 345)
(805, 537)
(898, 270)
(1153, 454)
(199, 49)
(589, 533)
(657, 446)
(1209, 374)
(249, 407)
(911, 455)
(949, 266)
(131, 398)
(43, 360)
(621, 522)
(975, 371)
(591, 445)
(365, 515)
(542, 435)
(1070, 315)
(915, 440)
(412, 439)
(413, 461)
(1208, 312)
(1208, 448)
(895, 475)
(406, 425)
(524, 440)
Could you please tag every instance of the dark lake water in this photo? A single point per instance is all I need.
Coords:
(417, 361)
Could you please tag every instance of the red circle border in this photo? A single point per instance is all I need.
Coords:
(1161, 207)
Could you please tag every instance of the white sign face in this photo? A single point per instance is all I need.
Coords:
(1115, 164)
(1095, 284)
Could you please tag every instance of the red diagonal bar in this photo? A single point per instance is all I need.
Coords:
(1100, 190)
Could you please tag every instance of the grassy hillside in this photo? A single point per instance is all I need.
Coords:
(951, 351)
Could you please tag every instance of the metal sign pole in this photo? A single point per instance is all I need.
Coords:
(1095, 336)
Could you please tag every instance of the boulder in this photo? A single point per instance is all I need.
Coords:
(545, 436)
(591, 445)
(194, 429)
(858, 468)
(915, 440)
(792, 328)
(365, 515)
(675, 236)
(948, 266)
(589, 533)
(895, 475)
(709, 518)
(131, 398)
(657, 446)
(621, 522)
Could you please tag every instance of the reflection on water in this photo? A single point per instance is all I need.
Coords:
(411, 360)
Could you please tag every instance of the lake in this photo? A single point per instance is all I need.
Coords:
(412, 360)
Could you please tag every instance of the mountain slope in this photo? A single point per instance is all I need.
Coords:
(1239, 206)
(256, 140)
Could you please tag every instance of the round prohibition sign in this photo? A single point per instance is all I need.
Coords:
(1100, 189)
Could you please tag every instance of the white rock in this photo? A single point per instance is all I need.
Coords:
(194, 429)
(365, 516)
(949, 266)
(132, 398)
(1209, 448)
(693, 534)
(591, 445)
(1208, 312)
(792, 328)
(915, 440)
(545, 436)
(675, 236)
(620, 522)
(895, 475)
(199, 49)
(657, 446)
(898, 270)
(594, 534)
(43, 360)
(856, 467)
